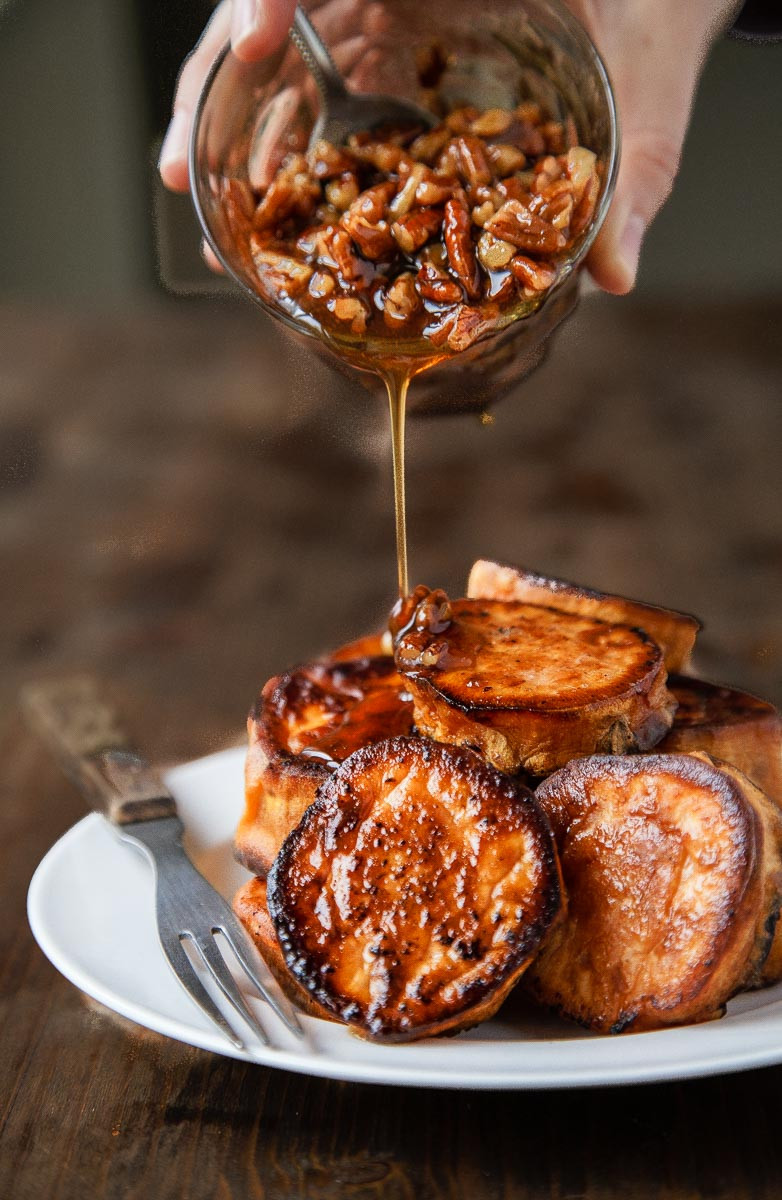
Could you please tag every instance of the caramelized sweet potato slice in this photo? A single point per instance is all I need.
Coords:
(529, 687)
(415, 890)
(250, 907)
(672, 875)
(673, 631)
(731, 725)
(303, 724)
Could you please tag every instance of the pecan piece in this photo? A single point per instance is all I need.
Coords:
(434, 284)
(280, 271)
(322, 284)
(580, 167)
(427, 146)
(534, 276)
(401, 301)
(343, 191)
(338, 253)
(433, 189)
(471, 324)
(505, 159)
(585, 209)
(474, 166)
(459, 247)
(365, 222)
(405, 198)
(329, 161)
(493, 252)
(515, 223)
(293, 191)
(350, 308)
(414, 230)
(492, 122)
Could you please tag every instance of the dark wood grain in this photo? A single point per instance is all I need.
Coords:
(186, 508)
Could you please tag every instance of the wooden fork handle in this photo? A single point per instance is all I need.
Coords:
(74, 720)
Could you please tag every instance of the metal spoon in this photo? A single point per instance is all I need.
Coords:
(345, 112)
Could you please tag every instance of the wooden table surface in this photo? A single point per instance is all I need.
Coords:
(187, 505)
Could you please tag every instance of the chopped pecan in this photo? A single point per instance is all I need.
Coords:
(530, 140)
(401, 302)
(293, 191)
(338, 254)
(580, 166)
(322, 284)
(427, 146)
(460, 119)
(434, 284)
(493, 252)
(471, 324)
(536, 276)
(342, 192)
(585, 209)
(350, 308)
(482, 213)
(385, 156)
(433, 189)
(505, 159)
(492, 122)
(459, 247)
(515, 223)
(285, 273)
(365, 222)
(474, 166)
(501, 287)
(553, 133)
(414, 230)
(529, 111)
(329, 161)
(404, 199)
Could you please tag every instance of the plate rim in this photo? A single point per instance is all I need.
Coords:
(326, 1065)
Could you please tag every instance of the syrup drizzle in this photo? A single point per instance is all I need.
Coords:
(397, 384)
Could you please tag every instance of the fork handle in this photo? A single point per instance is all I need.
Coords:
(79, 726)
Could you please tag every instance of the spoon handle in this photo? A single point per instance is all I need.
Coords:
(307, 40)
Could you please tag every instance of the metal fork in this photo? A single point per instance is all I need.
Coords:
(77, 724)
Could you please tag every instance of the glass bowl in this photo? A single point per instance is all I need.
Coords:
(250, 116)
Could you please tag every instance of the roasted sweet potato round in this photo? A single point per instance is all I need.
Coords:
(674, 632)
(303, 725)
(672, 875)
(735, 726)
(251, 908)
(529, 687)
(415, 890)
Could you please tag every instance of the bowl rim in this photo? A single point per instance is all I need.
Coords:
(601, 212)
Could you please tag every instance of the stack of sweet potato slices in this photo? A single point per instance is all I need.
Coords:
(406, 875)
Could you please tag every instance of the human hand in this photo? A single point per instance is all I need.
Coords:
(654, 51)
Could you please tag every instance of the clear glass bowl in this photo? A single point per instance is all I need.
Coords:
(497, 55)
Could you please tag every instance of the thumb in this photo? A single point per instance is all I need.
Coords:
(654, 54)
(650, 162)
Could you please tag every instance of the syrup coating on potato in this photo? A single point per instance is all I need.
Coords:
(674, 632)
(528, 686)
(672, 874)
(415, 890)
(303, 725)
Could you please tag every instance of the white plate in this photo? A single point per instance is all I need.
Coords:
(91, 910)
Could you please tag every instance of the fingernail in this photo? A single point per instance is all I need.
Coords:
(630, 244)
(244, 21)
(175, 142)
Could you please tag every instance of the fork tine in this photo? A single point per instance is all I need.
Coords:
(242, 950)
(185, 973)
(207, 949)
